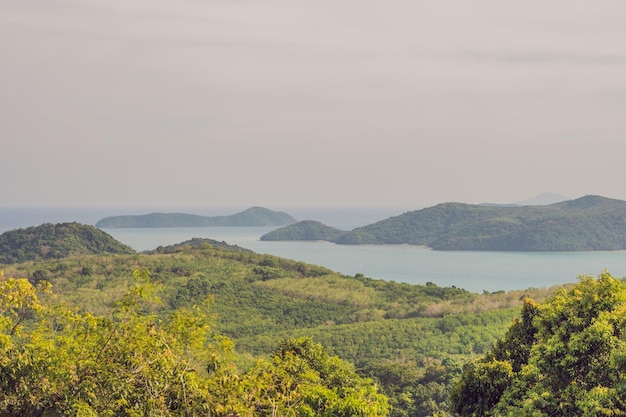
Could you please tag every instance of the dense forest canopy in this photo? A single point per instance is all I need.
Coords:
(55, 361)
(411, 340)
(585, 224)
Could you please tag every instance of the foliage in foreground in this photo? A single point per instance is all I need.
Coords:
(566, 357)
(56, 361)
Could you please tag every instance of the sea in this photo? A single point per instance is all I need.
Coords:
(476, 271)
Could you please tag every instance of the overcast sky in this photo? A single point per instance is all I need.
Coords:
(310, 103)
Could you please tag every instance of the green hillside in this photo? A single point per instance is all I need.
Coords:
(53, 241)
(254, 216)
(412, 339)
(590, 223)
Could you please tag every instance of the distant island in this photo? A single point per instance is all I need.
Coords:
(590, 223)
(254, 216)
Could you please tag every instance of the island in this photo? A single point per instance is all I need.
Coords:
(254, 216)
(305, 230)
(589, 223)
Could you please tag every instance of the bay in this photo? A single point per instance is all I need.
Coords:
(475, 271)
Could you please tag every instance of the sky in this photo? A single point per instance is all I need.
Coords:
(280, 103)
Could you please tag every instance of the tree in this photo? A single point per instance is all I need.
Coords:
(481, 386)
(515, 346)
(302, 379)
(571, 360)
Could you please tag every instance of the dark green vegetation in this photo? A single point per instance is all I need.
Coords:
(195, 243)
(410, 339)
(255, 216)
(305, 230)
(566, 357)
(589, 223)
(50, 241)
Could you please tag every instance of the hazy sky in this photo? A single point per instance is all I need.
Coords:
(321, 102)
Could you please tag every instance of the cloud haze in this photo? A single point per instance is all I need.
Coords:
(296, 103)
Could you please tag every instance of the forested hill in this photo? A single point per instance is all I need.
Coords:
(197, 242)
(254, 216)
(54, 241)
(585, 224)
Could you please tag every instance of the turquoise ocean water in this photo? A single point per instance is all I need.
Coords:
(474, 271)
